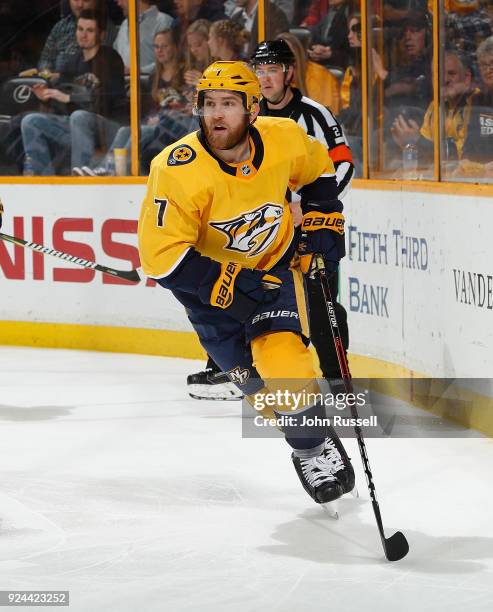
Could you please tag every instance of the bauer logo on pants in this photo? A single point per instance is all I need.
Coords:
(273, 314)
(252, 232)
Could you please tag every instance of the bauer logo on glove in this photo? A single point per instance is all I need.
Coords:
(313, 221)
(222, 292)
(238, 290)
(322, 233)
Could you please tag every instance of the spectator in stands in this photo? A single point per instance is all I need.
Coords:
(84, 108)
(466, 25)
(350, 113)
(394, 11)
(312, 79)
(188, 11)
(287, 7)
(175, 123)
(330, 46)
(407, 85)
(227, 40)
(150, 22)
(246, 15)
(62, 43)
(167, 101)
(478, 147)
(457, 96)
(316, 12)
(198, 55)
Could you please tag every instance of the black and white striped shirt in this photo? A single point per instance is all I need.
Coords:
(320, 123)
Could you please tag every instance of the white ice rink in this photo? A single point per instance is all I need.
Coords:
(118, 487)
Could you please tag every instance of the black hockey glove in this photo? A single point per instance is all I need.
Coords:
(238, 291)
(322, 232)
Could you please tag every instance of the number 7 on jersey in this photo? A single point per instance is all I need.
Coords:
(161, 210)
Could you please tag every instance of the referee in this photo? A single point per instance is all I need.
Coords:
(273, 62)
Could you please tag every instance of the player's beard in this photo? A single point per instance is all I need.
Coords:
(229, 138)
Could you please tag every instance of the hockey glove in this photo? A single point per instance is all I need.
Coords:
(322, 233)
(238, 291)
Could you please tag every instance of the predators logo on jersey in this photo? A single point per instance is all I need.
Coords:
(252, 232)
(183, 154)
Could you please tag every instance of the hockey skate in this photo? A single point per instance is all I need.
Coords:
(316, 476)
(335, 453)
(212, 384)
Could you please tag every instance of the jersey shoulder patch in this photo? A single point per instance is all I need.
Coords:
(180, 155)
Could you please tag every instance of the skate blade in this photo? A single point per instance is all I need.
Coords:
(221, 392)
(331, 508)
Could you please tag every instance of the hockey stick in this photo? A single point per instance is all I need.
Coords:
(396, 547)
(130, 275)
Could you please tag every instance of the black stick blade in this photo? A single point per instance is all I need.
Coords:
(396, 547)
(130, 275)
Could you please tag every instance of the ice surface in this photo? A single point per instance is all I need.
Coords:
(117, 486)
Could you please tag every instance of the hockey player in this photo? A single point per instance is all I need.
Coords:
(215, 229)
(273, 62)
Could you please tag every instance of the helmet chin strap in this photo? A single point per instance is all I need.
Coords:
(284, 93)
(279, 100)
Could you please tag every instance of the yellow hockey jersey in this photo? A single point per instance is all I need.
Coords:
(228, 212)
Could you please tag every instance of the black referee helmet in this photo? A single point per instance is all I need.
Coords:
(273, 52)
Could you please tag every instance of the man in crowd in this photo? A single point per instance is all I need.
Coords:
(330, 45)
(478, 147)
(85, 108)
(457, 98)
(61, 43)
(467, 24)
(151, 21)
(246, 14)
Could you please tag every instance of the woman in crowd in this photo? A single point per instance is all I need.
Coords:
(198, 55)
(177, 122)
(350, 113)
(227, 40)
(312, 79)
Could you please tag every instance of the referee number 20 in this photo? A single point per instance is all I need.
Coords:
(161, 203)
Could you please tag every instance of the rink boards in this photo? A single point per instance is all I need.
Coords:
(417, 280)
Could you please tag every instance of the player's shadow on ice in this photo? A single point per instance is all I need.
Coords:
(33, 413)
(314, 536)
